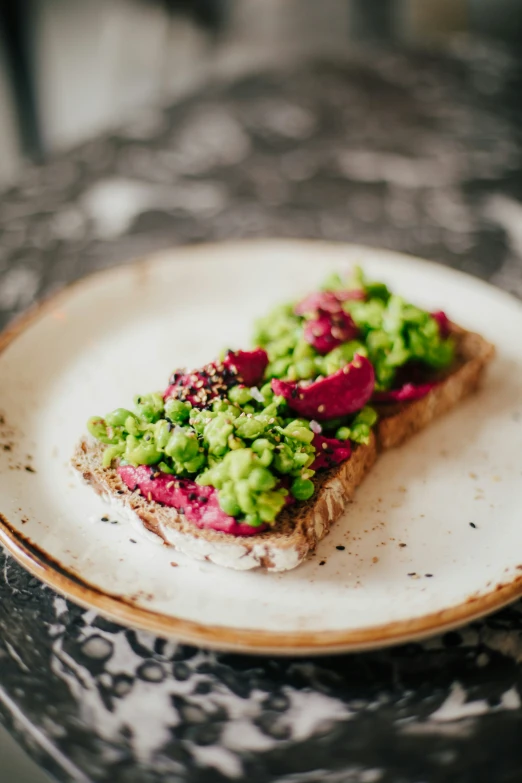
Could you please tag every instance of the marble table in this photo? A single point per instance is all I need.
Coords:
(416, 152)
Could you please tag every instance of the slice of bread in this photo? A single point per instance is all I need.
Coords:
(285, 546)
(301, 527)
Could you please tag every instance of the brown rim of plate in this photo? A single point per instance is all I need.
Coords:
(123, 610)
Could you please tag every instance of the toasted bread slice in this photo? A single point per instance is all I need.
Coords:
(299, 528)
(285, 546)
(397, 422)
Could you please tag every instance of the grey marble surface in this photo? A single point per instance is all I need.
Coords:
(413, 152)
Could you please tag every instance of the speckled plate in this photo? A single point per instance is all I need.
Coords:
(433, 539)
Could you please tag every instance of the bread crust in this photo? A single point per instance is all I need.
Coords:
(281, 548)
(299, 528)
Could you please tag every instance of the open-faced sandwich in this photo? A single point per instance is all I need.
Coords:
(248, 461)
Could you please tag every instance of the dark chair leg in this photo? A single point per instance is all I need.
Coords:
(16, 23)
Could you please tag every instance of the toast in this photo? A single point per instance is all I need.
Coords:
(295, 534)
(298, 528)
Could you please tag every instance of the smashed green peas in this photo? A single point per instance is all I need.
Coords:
(360, 427)
(302, 489)
(245, 487)
(177, 411)
(149, 407)
(393, 332)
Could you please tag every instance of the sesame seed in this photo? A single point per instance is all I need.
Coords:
(320, 408)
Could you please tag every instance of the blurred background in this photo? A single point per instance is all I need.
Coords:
(69, 69)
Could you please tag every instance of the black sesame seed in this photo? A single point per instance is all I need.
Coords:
(428, 575)
(472, 524)
(105, 519)
(119, 492)
(412, 574)
(322, 562)
(132, 541)
(340, 547)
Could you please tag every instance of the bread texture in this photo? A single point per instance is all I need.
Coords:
(285, 546)
(299, 528)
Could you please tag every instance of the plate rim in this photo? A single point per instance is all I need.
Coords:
(226, 638)
(243, 640)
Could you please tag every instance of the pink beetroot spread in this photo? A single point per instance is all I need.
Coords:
(201, 386)
(248, 367)
(330, 326)
(329, 329)
(443, 322)
(198, 504)
(327, 301)
(340, 394)
(407, 393)
(329, 452)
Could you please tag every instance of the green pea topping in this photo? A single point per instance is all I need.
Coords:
(177, 411)
(149, 407)
(392, 333)
(118, 417)
(302, 489)
(240, 395)
(247, 444)
(359, 429)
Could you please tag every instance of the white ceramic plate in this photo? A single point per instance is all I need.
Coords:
(413, 563)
